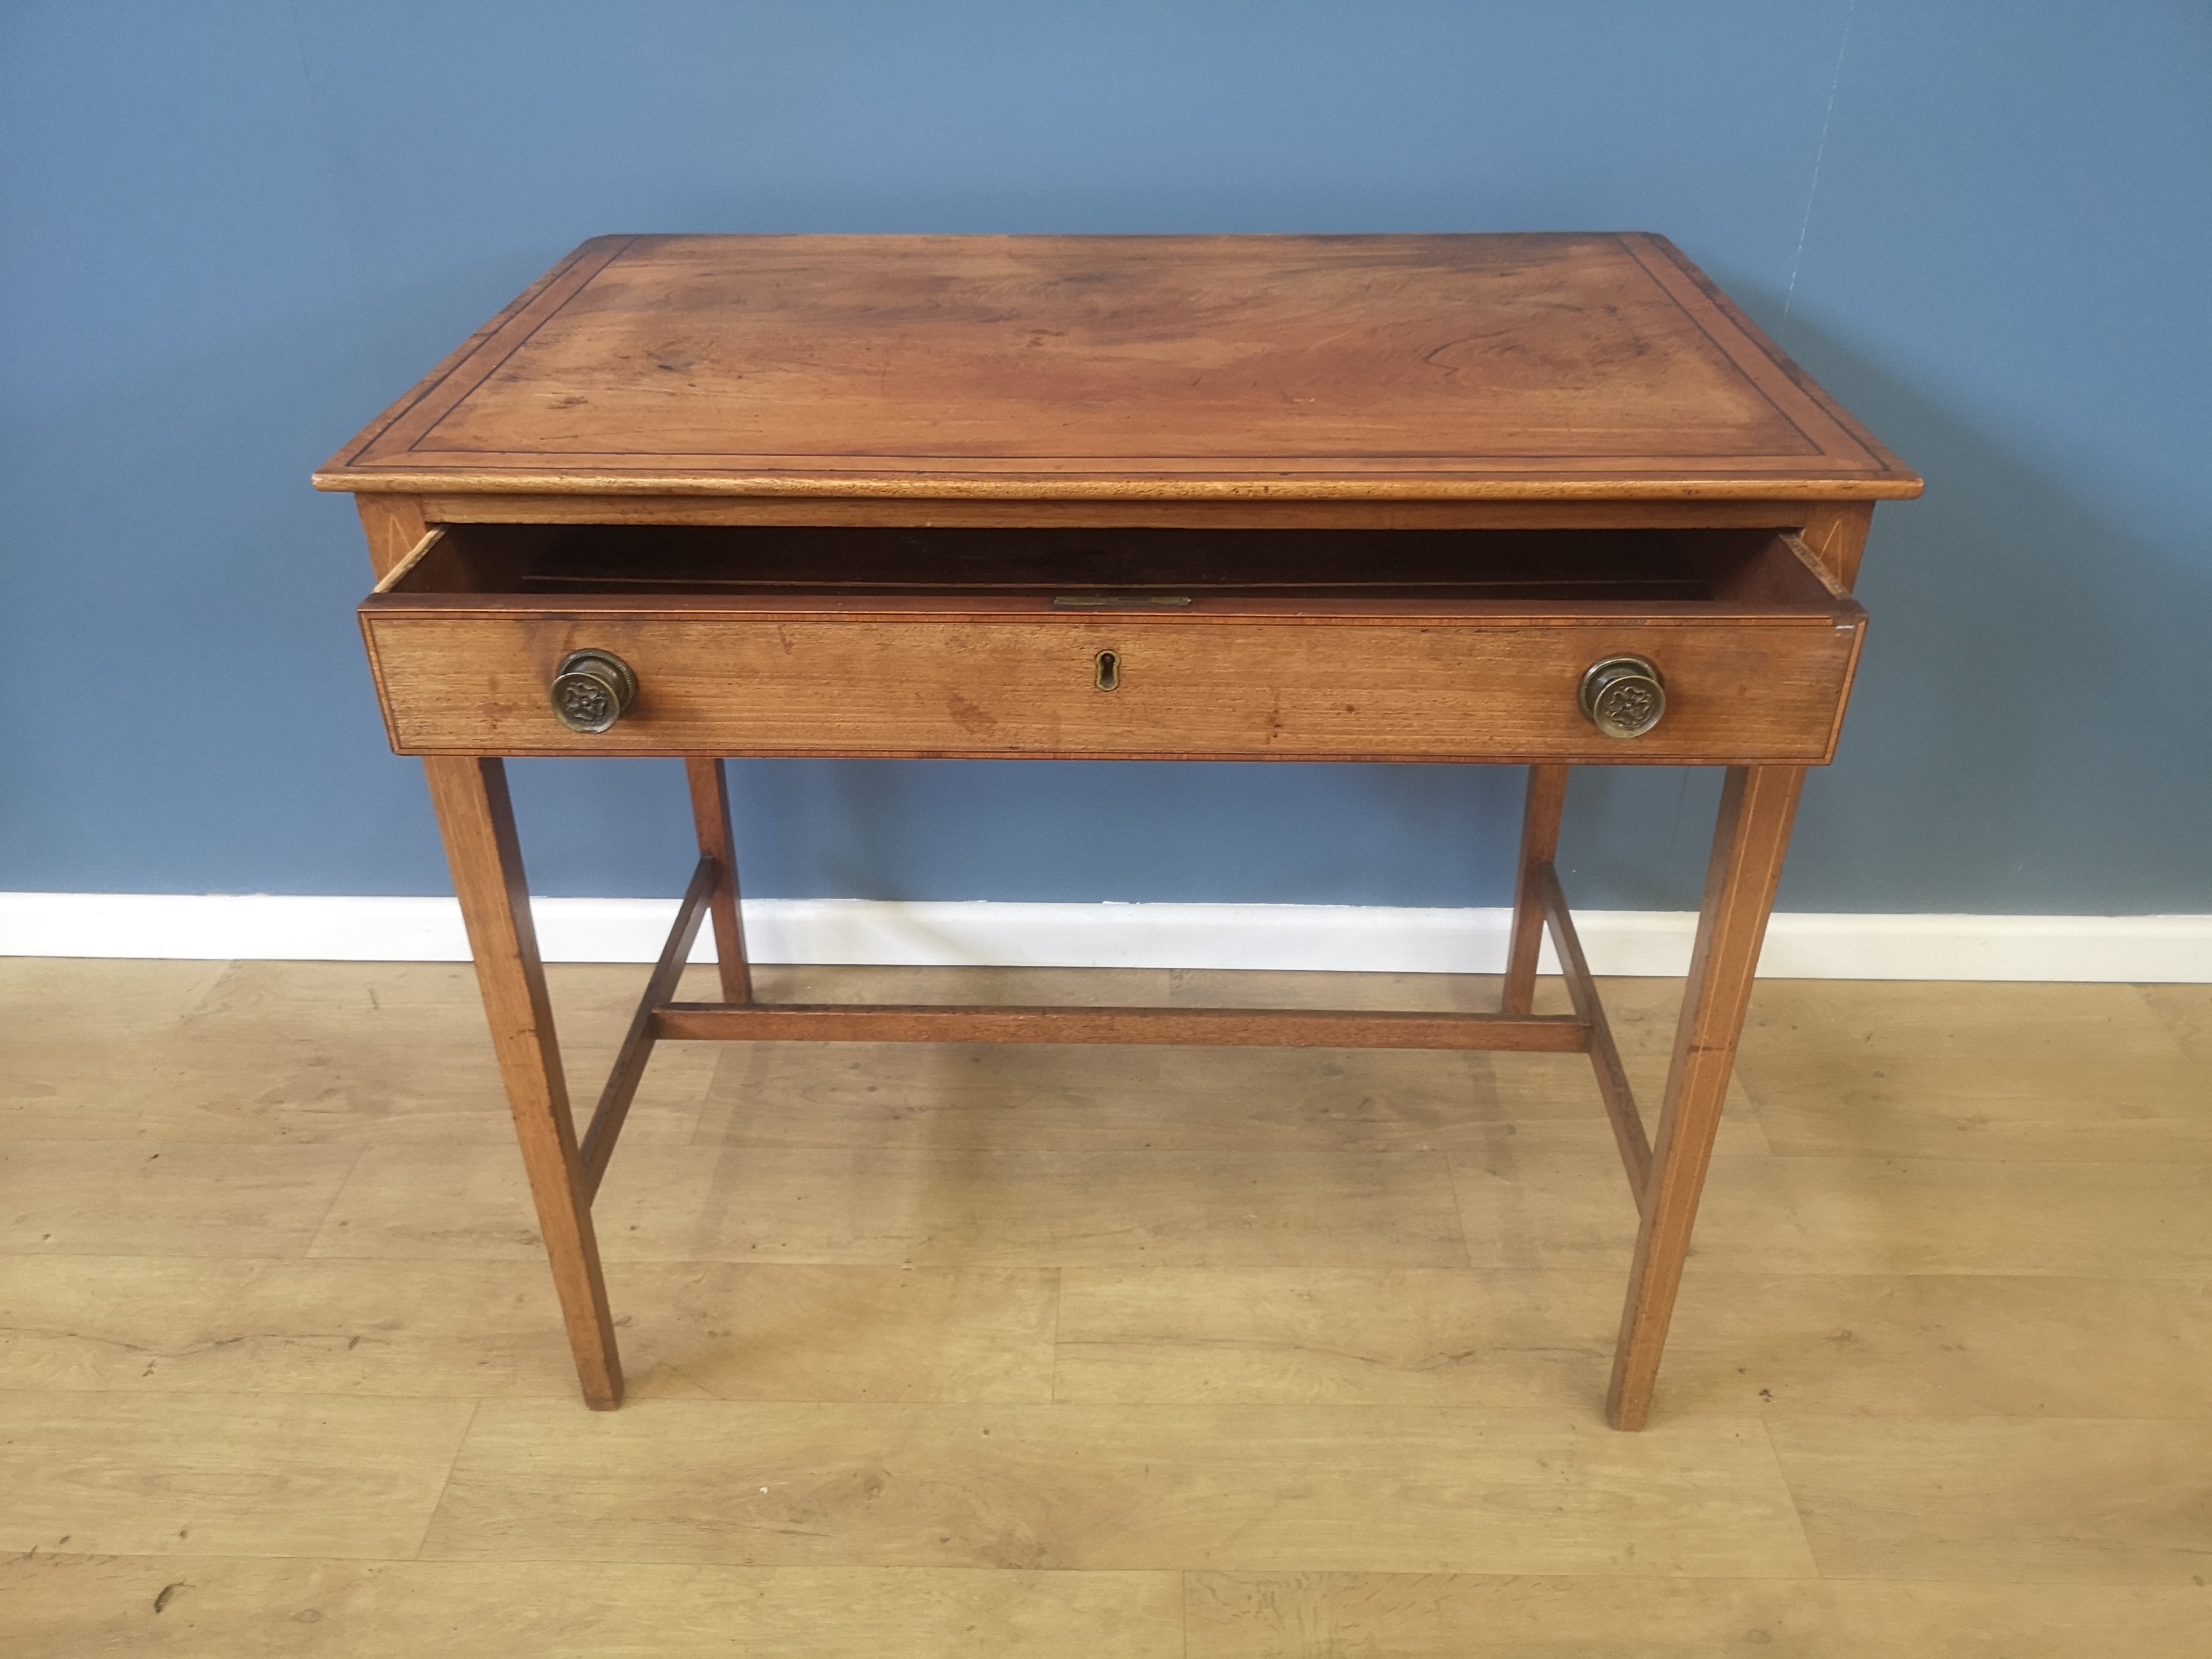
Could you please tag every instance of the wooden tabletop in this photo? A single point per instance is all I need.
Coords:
(1439, 367)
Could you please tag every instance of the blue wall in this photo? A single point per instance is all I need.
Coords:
(229, 233)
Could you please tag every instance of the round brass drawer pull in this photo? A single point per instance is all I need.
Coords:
(1624, 696)
(592, 689)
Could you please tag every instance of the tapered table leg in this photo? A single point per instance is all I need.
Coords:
(1757, 806)
(1539, 845)
(710, 810)
(477, 820)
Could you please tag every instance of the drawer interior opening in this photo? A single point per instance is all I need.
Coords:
(1633, 566)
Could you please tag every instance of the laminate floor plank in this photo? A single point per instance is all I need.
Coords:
(156, 1325)
(1939, 1345)
(2185, 1010)
(2118, 1220)
(1057, 1097)
(166, 1197)
(194, 1474)
(277, 1052)
(97, 1001)
(839, 1331)
(1557, 1209)
(455, 1328)
(1945, 1346)
(1445, 1616)
(1010, 1098)
(1117, 1487)
(939, 1208)
(1933, 1071)
(79, 1032)
(1893, 1345)
(2000, 1500)
(172, 1607)
(1454, 1337)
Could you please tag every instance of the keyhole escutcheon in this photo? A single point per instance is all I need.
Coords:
(1109, 671)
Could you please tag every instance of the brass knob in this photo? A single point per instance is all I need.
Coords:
(592, 689)
(1624, 696)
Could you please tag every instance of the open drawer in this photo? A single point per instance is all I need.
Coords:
(1607, 646)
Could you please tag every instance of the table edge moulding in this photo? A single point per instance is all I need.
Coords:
(1545, 500)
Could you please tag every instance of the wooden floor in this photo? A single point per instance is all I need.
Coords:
(1082, 1351)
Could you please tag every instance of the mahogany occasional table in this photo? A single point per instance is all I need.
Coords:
(1540, 501)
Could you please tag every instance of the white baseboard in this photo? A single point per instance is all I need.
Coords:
(1361, 937)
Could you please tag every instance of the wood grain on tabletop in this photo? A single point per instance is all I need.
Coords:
(1296, 368)
(1841, 526)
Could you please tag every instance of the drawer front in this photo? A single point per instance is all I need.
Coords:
(1188, 687)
